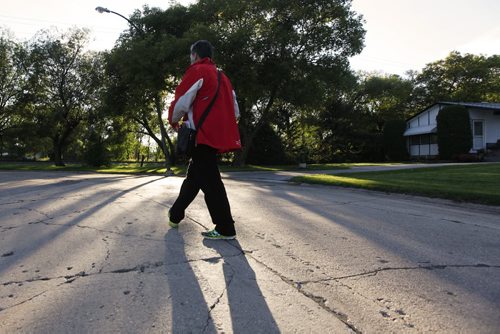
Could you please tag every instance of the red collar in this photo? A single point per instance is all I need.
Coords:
(203, 61)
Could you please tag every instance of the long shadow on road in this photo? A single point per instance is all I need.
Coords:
(249, 310)
(409, 233)
(190, 313)
(41, 241)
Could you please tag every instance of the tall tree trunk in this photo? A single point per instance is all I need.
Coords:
(58, 151)
(59, 142)
(163, 132)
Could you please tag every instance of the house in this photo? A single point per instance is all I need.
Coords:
(421, 129)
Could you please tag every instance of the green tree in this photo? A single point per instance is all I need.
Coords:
(393, 140)
(454, 132)
(385, 97)
(275, 52)
(65, 84)
(12, 85)
(268, 148)
(144, 67)
(464, 78)
(279, 52)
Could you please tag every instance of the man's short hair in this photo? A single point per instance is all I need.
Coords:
(203, 49)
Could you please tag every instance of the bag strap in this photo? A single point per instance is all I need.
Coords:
(205, 113)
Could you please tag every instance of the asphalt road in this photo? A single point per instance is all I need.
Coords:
(93, 253)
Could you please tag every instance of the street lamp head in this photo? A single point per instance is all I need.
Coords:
(102, 10)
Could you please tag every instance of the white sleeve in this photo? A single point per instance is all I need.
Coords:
(236, 108)
(185, 102)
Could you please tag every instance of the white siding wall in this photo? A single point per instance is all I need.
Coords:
(414, 123)
(491, 124)
(434, 149)
(426, 118)
(429, 150)
(433, 112)
(414, 150)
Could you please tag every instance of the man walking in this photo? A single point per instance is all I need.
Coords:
(219, 133)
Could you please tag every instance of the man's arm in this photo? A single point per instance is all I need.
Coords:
(185, 102)
(236, 108)
(191, 80)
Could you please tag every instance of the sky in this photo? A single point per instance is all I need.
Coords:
(401, 35)
(408, 34)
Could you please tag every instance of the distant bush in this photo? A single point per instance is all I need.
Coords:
(267, 148)
(96, 153)
(393, 140)
(454, 132)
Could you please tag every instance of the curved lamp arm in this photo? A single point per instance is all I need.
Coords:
(105, 10)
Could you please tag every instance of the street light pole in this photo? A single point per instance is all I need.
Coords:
(105, 10)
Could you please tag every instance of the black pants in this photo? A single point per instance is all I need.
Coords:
(204, 174)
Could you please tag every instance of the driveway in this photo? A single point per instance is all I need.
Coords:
(93, 253)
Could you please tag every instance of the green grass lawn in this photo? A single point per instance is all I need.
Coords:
(135, 168)
(157, 168)
(478, 183)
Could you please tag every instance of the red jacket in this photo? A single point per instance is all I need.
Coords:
(219, 130)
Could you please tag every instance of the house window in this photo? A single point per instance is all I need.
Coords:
(425, 139)
(434, 138)
(415, 140)
(478, 128)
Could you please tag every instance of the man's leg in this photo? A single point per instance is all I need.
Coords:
(189, 189)
(215, 192)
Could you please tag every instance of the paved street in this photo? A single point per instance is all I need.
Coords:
(92, 253)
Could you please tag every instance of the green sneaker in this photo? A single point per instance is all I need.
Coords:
(171, 223)
(214, 235)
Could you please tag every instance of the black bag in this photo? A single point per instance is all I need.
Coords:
(186, 137)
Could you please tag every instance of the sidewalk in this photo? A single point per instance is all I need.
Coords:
(284, 176)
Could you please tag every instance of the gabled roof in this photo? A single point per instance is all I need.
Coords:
(421, 130)
(477, 105)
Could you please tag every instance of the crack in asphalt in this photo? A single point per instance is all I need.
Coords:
(430, 217)
(376, 271)
(377, 301)
(321, 301)
(16, 202)
(8, 228)
(217, 301)
(108, 253)
(197, 222)
(24, 301)
(469, 224)
(96, 229)
(139, 268)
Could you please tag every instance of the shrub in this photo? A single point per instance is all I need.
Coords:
(96, 153)
(454, 132)
(267, 148)
(393, 140)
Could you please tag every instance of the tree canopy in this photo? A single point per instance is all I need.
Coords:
(288, 61)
